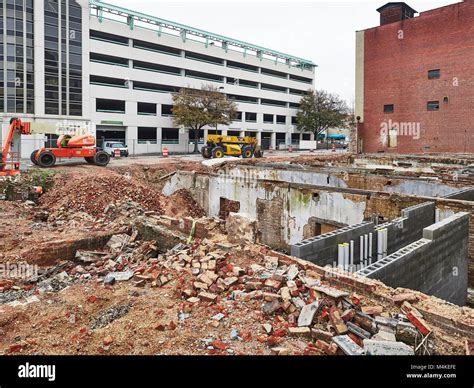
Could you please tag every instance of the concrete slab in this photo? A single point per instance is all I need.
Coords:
(387, 348)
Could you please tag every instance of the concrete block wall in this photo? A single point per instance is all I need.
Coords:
(436, 264)
(409, 227)
(466, 194)
(322, 249)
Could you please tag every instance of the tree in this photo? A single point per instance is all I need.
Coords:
(320, 110)
(196, 108)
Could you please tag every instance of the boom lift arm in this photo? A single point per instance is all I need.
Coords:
(15, 130)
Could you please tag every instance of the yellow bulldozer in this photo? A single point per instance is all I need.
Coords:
(217, 146)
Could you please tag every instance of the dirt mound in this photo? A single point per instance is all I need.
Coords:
(93, 193)
(182, 204)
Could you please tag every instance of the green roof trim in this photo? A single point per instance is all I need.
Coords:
(131, 16)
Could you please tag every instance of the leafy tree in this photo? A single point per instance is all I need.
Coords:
(196, 108)
(320, 110)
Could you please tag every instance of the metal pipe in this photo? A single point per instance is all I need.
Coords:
(340, 255)
(352, 253)
(379, 244)
(370, 248)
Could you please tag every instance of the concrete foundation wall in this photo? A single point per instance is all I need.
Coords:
(464, 194)
(345, 178)
(437, 264)
(261, 201)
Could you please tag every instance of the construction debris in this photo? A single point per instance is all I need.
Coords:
(213, 291)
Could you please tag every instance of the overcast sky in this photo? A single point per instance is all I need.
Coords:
(321, 31)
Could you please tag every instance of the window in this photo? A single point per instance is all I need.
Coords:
(242, 82)
(247, 99)
(110, 106)
(273, 88)
(156, 67)
(306, 136)
(281, 119)
(111, 38)
(156, 47)
(192, 136)
(301, 79)
(170, 135)
(206, 76)
(388, 108)
(108, 59)
(166, 110)
(107, 81)
(147, 134)
(297, 92)
(273, 73)
(293, 120)
(434, 74)
(204, 58)
(250, 117)
(153, 87)
(144, 108)
(294, 105)
(268, 118)
(433, 105)
(242, 66)
(273, 102)
(238, 116)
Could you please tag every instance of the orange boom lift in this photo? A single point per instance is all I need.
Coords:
(79, 146)
(15, 130)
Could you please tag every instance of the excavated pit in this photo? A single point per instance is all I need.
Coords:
(308, 212)
(241, 213)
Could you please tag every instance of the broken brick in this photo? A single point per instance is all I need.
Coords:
(419, 323)
(272, 283)
(372, 310)
(348, 315)
(107, 340)
(217, 344)
(405, 297)
(337, 322)
(207, 296)
(299, 331)
(322, 335)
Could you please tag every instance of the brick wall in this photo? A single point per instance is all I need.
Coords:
(397, 58)
(270, 222)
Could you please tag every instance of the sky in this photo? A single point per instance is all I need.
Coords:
(321, 31)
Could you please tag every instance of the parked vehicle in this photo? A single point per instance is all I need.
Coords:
(111, 146)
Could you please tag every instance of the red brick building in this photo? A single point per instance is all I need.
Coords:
(415, 80)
